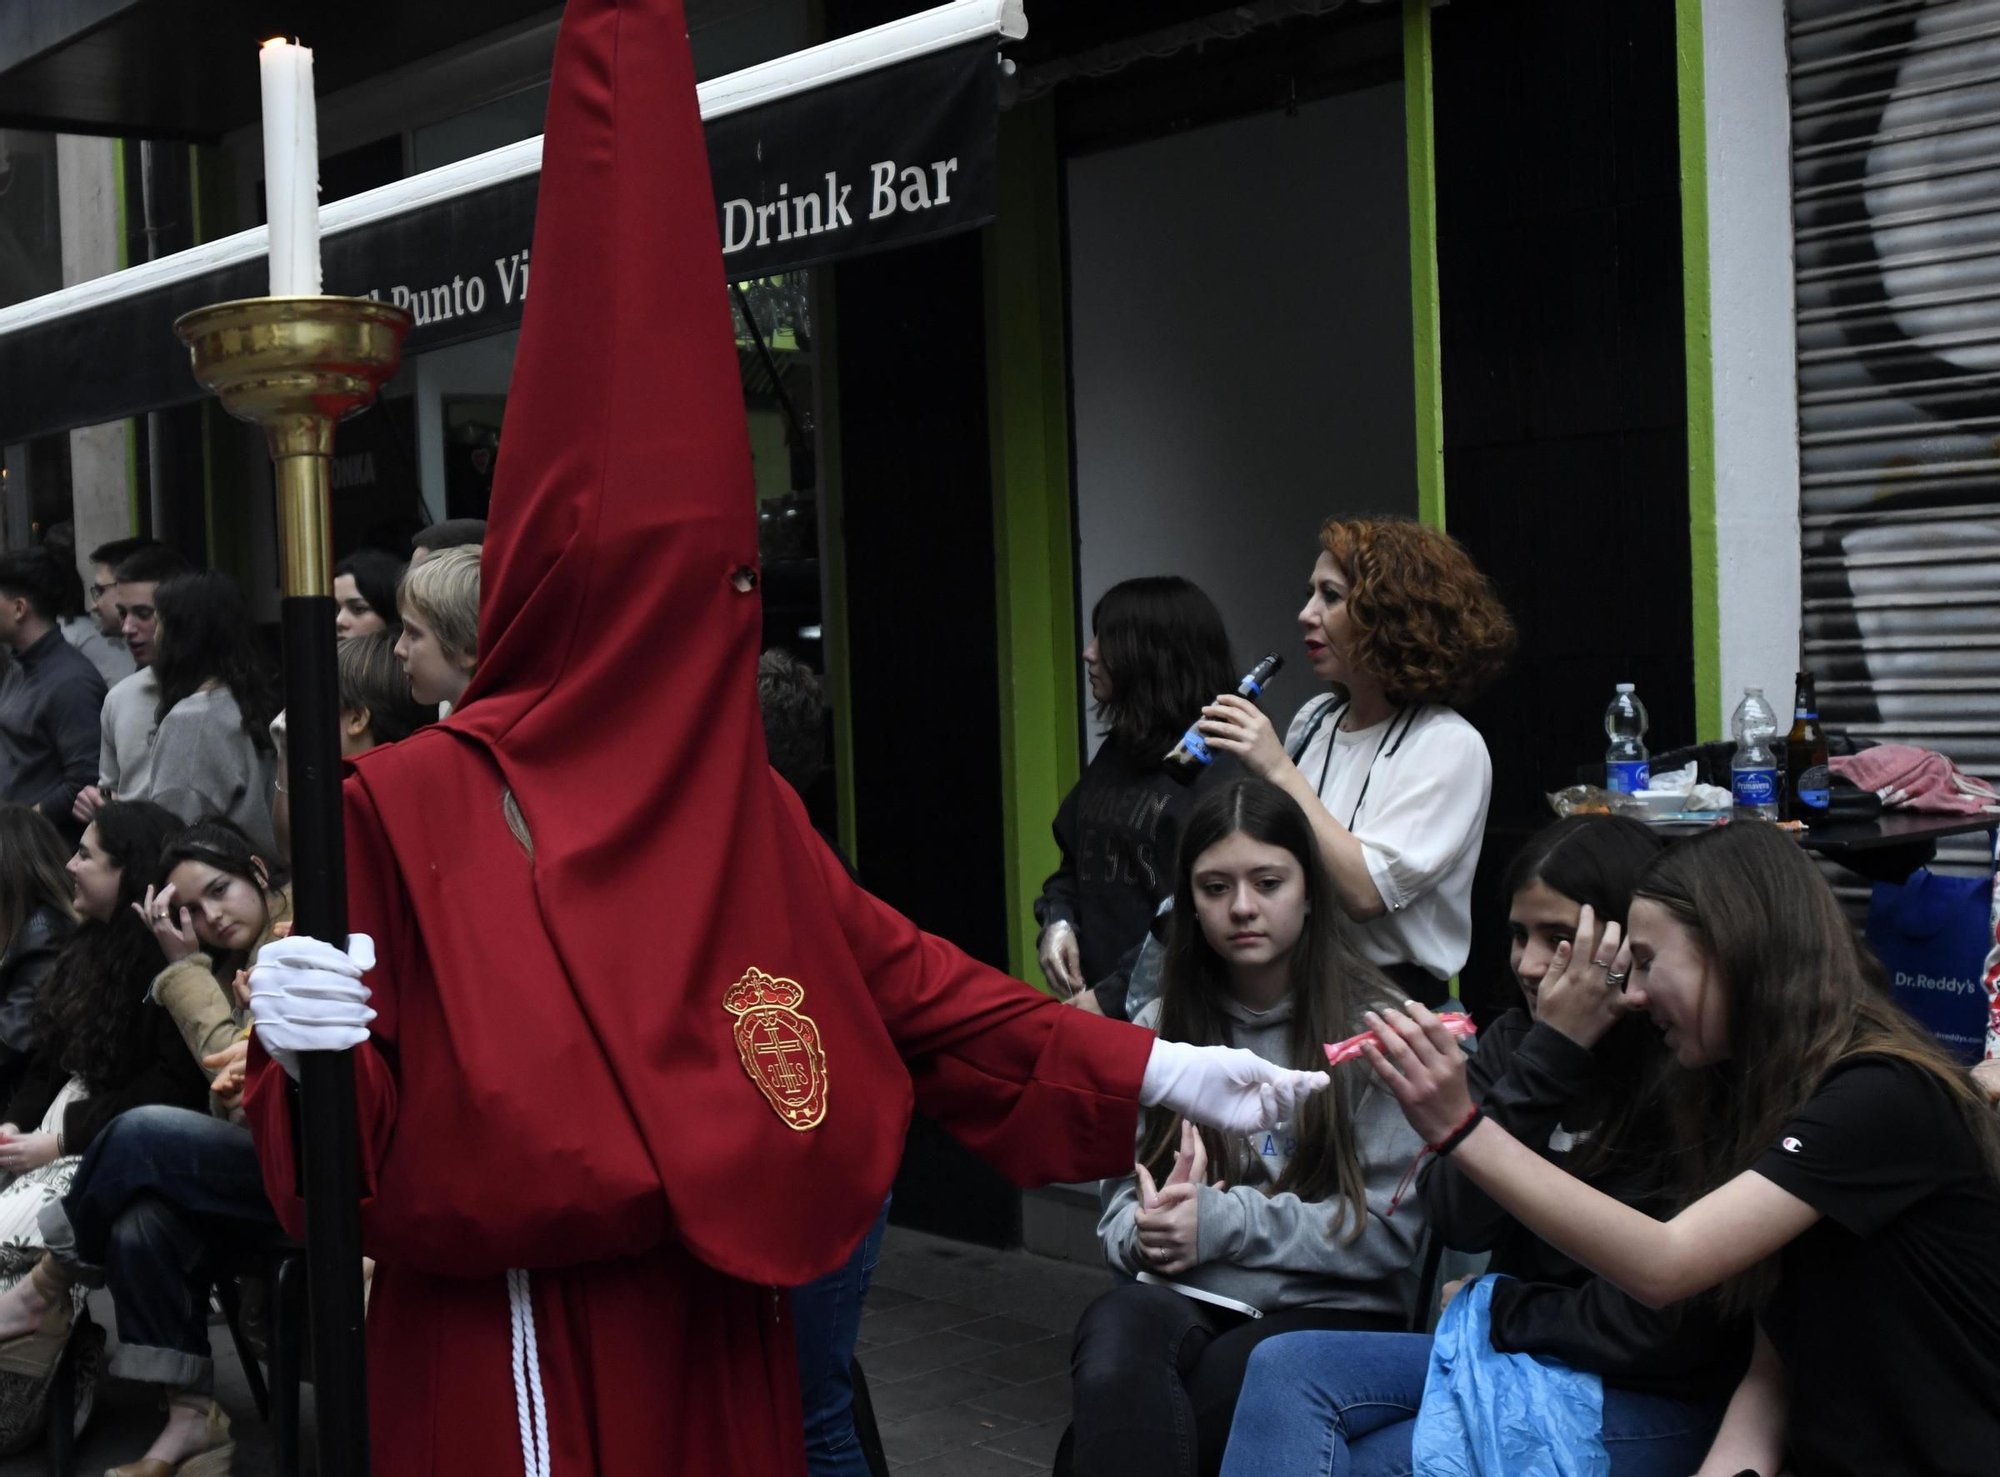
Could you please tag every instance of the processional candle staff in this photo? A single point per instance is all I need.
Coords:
(296, 363)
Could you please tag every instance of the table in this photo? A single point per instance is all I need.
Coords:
(1837, 839)
(1884, 848)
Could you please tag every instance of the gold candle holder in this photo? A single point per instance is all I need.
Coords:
(296, 366)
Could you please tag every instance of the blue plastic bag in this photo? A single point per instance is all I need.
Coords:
(1932, 934)
(1488, 1414)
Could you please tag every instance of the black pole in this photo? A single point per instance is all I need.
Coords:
(328, 1153)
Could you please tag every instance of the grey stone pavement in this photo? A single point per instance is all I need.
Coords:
(966, 1352)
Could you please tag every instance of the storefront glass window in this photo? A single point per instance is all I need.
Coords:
(30, 229)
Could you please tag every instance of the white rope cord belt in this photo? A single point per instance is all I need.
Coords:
(528, 1406)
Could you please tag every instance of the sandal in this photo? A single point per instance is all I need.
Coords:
(35, 1353)
(213, 1460)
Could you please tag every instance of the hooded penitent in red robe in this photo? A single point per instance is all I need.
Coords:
(665, 1064)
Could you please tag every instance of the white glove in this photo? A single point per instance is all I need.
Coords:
(1061, 958)
(306, 995)
(1224, 1087)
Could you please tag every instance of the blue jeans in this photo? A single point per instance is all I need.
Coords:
(1345, 1405)
(1154, 1376)
(160, 1194)
(826, 1319)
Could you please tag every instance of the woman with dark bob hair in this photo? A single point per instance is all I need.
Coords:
(1406, 629)
(1839, 1176)
(1158, 651)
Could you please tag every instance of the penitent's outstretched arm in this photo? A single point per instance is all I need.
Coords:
(1039, 1090)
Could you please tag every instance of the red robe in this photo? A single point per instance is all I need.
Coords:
(666, 1064)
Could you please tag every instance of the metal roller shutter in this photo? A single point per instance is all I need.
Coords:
(1896, 211)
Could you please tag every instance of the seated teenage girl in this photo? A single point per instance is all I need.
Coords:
(1583, 1087)
(1296, 1222)
(215, 907)
(1841, 1180)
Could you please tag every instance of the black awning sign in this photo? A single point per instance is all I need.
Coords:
(464, 297)
(884, 159)
(849, 168)
(790, 217)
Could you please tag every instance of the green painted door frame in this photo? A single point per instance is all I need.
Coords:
(1703, 553)
(1420, 149)
(1033, 544)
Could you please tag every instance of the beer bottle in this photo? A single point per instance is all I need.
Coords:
(1808, 781)
(1188, 758)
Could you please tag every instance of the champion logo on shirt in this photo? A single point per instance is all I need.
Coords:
(1791, 1145)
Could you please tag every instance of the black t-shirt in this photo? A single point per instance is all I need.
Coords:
(1120, 830)
(1887, 1312)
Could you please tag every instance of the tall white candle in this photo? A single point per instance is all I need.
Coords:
(291, 167)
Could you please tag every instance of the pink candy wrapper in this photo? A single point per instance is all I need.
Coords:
(1348, 1050)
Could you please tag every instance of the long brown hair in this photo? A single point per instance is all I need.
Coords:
(1799, 1003)
(92, 1010)
(32, 875)
(1330, 986)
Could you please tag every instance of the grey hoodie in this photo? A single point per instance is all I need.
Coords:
(1278, 1251)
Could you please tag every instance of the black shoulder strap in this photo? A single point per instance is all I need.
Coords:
(1331, 706)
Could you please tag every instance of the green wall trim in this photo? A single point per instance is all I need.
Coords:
(1034, 559)
(1703, 551)
(1420, 148)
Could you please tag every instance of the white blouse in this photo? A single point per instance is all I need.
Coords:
(1414, 790)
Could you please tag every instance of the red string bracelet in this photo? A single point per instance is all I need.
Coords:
(1458, 1135)
(1441, 1148)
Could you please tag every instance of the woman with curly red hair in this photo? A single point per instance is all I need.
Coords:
(1405, 628)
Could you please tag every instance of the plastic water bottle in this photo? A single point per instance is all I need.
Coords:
(1753, 773)
(1626, 767)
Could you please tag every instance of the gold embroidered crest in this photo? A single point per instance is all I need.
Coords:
(780, 1048)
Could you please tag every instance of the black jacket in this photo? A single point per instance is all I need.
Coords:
(1119, 830)
(1524, 1075)
(29, 957)
(165, 1073)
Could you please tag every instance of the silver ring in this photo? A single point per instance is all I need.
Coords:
(1617, 979)
(161, 916)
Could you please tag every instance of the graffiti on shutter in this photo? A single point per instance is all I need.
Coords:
(1896, 214)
